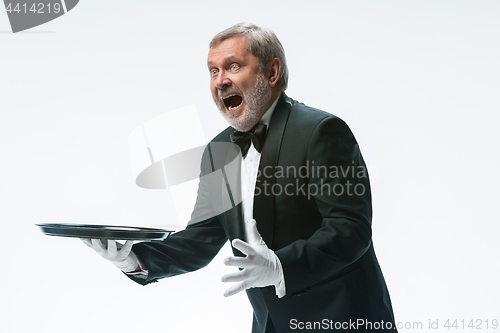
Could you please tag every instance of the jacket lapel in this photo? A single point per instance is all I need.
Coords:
(263, 208)
(225, 185)
(232, 184)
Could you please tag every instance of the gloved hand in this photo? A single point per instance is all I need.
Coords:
(119, 255)
(261, 266)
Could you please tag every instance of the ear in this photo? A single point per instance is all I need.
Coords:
(273, 70)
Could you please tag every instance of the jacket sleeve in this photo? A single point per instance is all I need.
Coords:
(344, 203)
(185, 251)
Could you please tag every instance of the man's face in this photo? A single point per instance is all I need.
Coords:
(238, 86)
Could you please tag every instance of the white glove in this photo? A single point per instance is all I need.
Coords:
(261, 266)
(120, 256)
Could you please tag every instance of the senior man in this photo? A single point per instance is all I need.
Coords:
(302, 237)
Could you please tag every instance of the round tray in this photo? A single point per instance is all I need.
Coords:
(102, 231)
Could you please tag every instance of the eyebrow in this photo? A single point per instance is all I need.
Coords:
(230, 58)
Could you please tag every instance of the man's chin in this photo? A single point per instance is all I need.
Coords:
(237, 120)
(240, 119)
(237, 126)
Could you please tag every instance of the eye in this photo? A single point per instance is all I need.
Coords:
(213, 72)
(235, 67)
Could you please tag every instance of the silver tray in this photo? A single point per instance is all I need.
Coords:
(102, 231)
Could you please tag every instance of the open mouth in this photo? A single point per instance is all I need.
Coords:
(232, 102)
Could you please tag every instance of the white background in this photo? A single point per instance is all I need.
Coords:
(417, 81)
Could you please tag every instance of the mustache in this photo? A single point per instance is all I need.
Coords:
(229, 90)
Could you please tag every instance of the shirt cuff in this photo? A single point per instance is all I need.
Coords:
(280, 287)
(142, 274)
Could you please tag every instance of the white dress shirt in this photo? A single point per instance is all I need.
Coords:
(249, 170)
(250, 167)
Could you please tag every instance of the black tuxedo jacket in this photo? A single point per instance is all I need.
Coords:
(313, 208)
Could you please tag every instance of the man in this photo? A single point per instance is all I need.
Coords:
(301, 233)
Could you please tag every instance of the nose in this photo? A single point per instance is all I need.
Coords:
(222, 81)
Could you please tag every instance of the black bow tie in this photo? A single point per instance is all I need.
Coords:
(257, 136)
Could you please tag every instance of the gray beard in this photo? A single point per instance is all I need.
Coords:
(256, 100)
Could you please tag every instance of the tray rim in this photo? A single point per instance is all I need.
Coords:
(77, 230)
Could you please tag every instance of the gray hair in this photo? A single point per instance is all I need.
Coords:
(262, 43)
